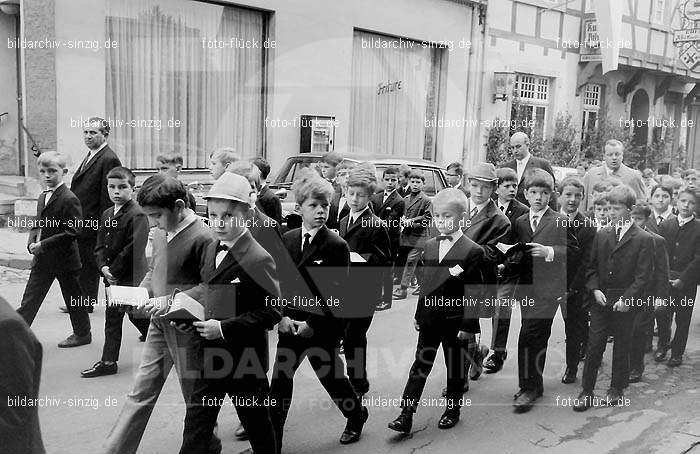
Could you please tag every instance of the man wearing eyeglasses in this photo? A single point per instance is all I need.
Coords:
(455, 177)
(525, 161)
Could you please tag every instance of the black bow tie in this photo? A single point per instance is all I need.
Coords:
(444, 237)
(48, 190)
(221, 247)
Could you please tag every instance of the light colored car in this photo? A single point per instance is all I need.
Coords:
(562, 172)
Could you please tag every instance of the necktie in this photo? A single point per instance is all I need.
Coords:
(351, 221)
(535, 222)
(503, 208)
(473, 212)
(85, 161)
(617, 233)
(307, 241)
(659, 220)
(386, 196)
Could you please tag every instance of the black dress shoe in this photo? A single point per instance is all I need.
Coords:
(660, 355)
(569, 376)
(584, 401)
(90, 309)
(525, 400)
(477, 368)
(494, 363)
(63, 309)
(635, 376)
(611, 339)
(449, 419)
(403, 423)
(614, 397)
(399, 294)
(382, 307)
(353, 429)
(142, 338)
(240, 432)
(75, 341)
(99, 369)
(675, 361)
(416, 291)
(465, 388)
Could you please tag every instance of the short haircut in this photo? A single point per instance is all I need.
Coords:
(613, 143)
(344, 165)
(538, 178)
(225, 155)
(506, 174)
(622, 194)
(457, 166)
(404, 170)
(675, 183)
(689, 172)
(643, 209)
(170, 158)
(365, 176)
(600, 200)
(101, 123)
(242, 168)
(263, 165)
(416, 174)
(161, 191)
(310, 185)
(52, 157)
(571, 181)
(662, 187)
(124, 174)
(391, 170)
(453, 197)
(331, 158)
(690, 192)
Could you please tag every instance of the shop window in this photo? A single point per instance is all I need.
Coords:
(531, 103)
(591, 108)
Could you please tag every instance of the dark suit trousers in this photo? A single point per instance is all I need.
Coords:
(330, 370)
(535, 329)
(89, 273)
(605, 322)
(114, 317)
(575, 314)
(501, 319)
(641, 333)
(355, 347)
(681, 307)
(38, 286)
(429, 340)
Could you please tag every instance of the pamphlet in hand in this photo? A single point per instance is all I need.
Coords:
(184, 309)
(510, 249)
(356, 258)
(126, 297)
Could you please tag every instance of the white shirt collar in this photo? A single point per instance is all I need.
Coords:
(312, 232)
(189, 218)
(232, 242)
(387, 194)
(478, 207)
(454, 236)
(665, 214)
(94, 152)
(504, 205)
(55, 187)
(684, 221)
(625, 227)
(539, 214)
(118, 207)
(524, 160)
(354, 216)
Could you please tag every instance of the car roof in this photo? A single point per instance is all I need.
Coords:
(376, 159)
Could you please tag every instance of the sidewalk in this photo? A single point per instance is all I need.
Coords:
(13, 249)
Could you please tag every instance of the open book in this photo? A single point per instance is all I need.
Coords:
(184, 309)
(128, 297)
(510, 249)
(356, 258)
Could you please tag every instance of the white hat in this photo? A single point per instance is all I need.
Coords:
(230, 186)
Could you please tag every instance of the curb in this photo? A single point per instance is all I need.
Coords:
(15, 261)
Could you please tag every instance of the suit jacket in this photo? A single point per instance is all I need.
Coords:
(683, 245)
(659, 285)
(515, 209)
(622, 268)
(266, 232)
(243, 293)
(90, 186)
(442, 293)
(319, 272)
(539, 279)
(61, 220)
(121, 243)
(533, 163)
(390, 212)
(584, 230)
(368, 237)
(270, 204)
(20, 375)
(333, 216)
(417, 208)
(403, 191)
(628, 176)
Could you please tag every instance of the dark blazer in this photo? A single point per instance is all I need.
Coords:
(439, 283)
(121, 243)
(533, 163)
(417, 208)
(266, 232)
(488, 228)
(622, 268)
(90, 185)
(368, 237)
(320, 271)
(683, 250)
(390, 212)
(270, 204)
(243, 293)
(333, 218)
(61, 220)
(20, 374)
(539, 279)
(403, 191)
(584, 231)
(515, 209)
(659, 285)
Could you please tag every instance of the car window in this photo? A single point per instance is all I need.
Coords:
(429, 186)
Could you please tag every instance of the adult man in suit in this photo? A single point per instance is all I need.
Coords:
(89, 184)
(267, 201)
(525, 161)
(613, 167)
(455, 176)
(20, 374)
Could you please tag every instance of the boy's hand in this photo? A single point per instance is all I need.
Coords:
(416, 326)
(286, 326)
(676, 283)
(182, 327)
(210, 329)
(658, 304)
(538, 250)
(600, 297)
(157, 306)
(111, 280)
(462, 335)
(620, 306)
(35, 248)
(303, 329)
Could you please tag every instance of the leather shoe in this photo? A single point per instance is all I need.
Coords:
(353, 429)
(494, 363)
(63, 309)
(99, 369)
(660, 355)
(477, 368)
(403, 423)
(240, 432)
(635, 376)
(382, 307)
(525, 400)
(584, 401)
(399, 294)
(449, 419)
(675, 361)
(614, 397)
(75, 341)
(464, 389)
(416, 291)
(569, 376)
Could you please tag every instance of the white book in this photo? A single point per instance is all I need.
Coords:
(126, 296)
(356, 258)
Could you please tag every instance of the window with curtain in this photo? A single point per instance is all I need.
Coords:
(185, 77)
(395, 93)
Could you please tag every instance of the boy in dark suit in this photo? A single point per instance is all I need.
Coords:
(446, 313)
(682, 234)
(505, 200)
(239, 292)
(542, 281)
(414, 233)
(389, 206)
(267, 202)
(53, 243)
(121, 257)
(574, 309)
(620, 268)
(313, 281)
(365, 235)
